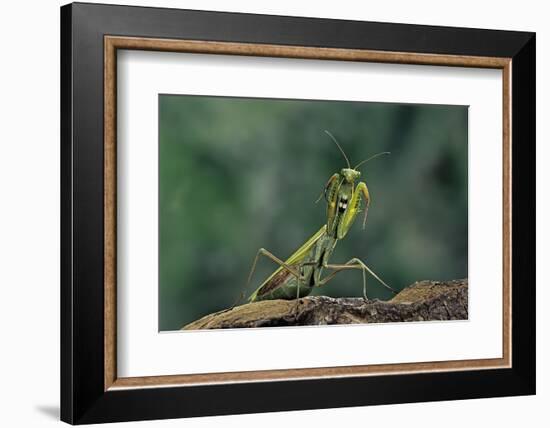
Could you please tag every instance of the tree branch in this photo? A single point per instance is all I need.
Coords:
(422, 301)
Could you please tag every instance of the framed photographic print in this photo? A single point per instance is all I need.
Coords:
(265, 213)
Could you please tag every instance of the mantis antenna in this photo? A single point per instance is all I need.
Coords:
(342, 150)
(372, 157)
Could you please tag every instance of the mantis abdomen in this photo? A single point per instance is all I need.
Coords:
(300, 272)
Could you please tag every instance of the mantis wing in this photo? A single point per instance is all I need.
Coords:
(294, 258)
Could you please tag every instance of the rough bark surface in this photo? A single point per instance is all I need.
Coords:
(422, 301)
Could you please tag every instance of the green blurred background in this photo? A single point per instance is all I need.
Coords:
(237, 174)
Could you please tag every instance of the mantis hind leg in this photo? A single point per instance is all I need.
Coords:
(273, 258)
(270, 256)
(354, 263)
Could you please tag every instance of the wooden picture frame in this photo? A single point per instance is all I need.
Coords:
(91, 390)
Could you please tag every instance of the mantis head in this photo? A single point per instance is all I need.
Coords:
(350, 175)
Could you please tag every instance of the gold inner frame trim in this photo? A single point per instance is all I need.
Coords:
(113, 43)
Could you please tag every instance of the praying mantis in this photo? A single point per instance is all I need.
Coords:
(302, 271)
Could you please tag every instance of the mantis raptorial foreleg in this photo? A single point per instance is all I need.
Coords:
(354, 263)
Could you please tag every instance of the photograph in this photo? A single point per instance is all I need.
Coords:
(292, 212)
